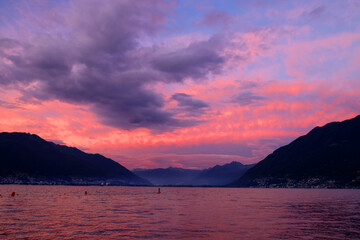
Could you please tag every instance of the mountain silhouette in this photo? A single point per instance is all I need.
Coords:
(214, 176)
(220, 175)
(27, 158)
(167, 176)
(327, 156)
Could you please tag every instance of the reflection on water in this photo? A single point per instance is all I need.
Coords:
(46, 212)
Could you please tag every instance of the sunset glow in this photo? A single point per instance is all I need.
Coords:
(177, 83)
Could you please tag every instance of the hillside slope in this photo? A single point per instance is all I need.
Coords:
(27, 158)
(327, 156)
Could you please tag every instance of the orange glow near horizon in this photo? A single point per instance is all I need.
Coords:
(157, 91)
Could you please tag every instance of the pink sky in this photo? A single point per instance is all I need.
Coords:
(161, 83)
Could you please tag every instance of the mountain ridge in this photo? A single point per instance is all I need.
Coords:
(327, 156)
(218, 175)
(27, 158)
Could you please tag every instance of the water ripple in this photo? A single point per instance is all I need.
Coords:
(47, 212)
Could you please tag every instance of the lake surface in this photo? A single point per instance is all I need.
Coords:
(48, 212)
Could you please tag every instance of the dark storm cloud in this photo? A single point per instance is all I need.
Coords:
(93, 56)
(246, 98)
(190, 106)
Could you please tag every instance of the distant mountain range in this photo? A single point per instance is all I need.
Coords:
(221, 175)
(215, 176)
(29, 159)
(327, 156)
(167, 176)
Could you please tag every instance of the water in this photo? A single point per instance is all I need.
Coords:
(48, 212)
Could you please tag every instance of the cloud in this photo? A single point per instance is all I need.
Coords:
(246, 98)
(9, 105)
(56, 141)
(217, 18)
(256, 3)
(227, 148)
(94, 56)
(248, 84)
(193, 161)
(192, 107)
(195, 61)
(315, 13)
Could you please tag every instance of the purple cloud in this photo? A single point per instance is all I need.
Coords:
(216, 18)
(195, 61)
(189, 106)
(94, 56)
(246, 98)
(315, 13)
(9, 105)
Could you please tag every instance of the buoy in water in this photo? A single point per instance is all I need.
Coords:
(13, 194)
(85, 192)
(159, 191)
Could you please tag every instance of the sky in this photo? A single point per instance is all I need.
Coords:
(192, 84)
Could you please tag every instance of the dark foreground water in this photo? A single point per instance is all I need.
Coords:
(48, 212)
